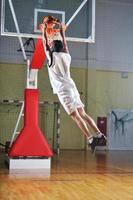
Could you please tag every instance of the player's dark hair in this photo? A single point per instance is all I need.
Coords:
(57, 46)
(50, 19)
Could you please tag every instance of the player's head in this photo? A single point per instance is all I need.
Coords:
(57, 46)
(50, 19)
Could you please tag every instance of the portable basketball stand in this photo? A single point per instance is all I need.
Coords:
(30, 150)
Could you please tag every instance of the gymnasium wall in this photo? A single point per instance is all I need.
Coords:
(104, 85)
(101, 91)
(12, 84)
(108, 90)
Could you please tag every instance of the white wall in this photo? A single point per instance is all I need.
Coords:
(113, 49)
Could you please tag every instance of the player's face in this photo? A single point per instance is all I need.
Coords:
(51, 24)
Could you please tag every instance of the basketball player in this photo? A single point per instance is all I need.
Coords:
(59, 61)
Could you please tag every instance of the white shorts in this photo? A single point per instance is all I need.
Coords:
(70, 99)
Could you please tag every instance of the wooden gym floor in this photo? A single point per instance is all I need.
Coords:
(75, 175)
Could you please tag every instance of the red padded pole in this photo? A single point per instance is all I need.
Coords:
(31, 107)
(39, 56)
(31, 141)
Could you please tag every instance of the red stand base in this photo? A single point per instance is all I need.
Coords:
(31, 141)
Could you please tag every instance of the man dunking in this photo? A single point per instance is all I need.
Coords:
(59, 61)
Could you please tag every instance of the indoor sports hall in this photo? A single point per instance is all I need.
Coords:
(66, 100)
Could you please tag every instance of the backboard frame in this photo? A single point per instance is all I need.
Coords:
(89, 39)
(37, 10)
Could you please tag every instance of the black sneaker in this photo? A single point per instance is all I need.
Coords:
(103, 137)
(94, 144)
(102, 140)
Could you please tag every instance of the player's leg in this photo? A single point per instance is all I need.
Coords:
(89, 121)
(95, 140)
(81, 123)
(92, 141)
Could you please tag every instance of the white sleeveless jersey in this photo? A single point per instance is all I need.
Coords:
(62, 83)
(57, 36)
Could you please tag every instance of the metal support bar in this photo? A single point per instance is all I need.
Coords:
(16, 102)
(26, 35)
(76, 12)
(31, 77)
(2, 16)
(16, 127)
(28, 72)
(17, 28)
(93, 20)
(58, 129)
